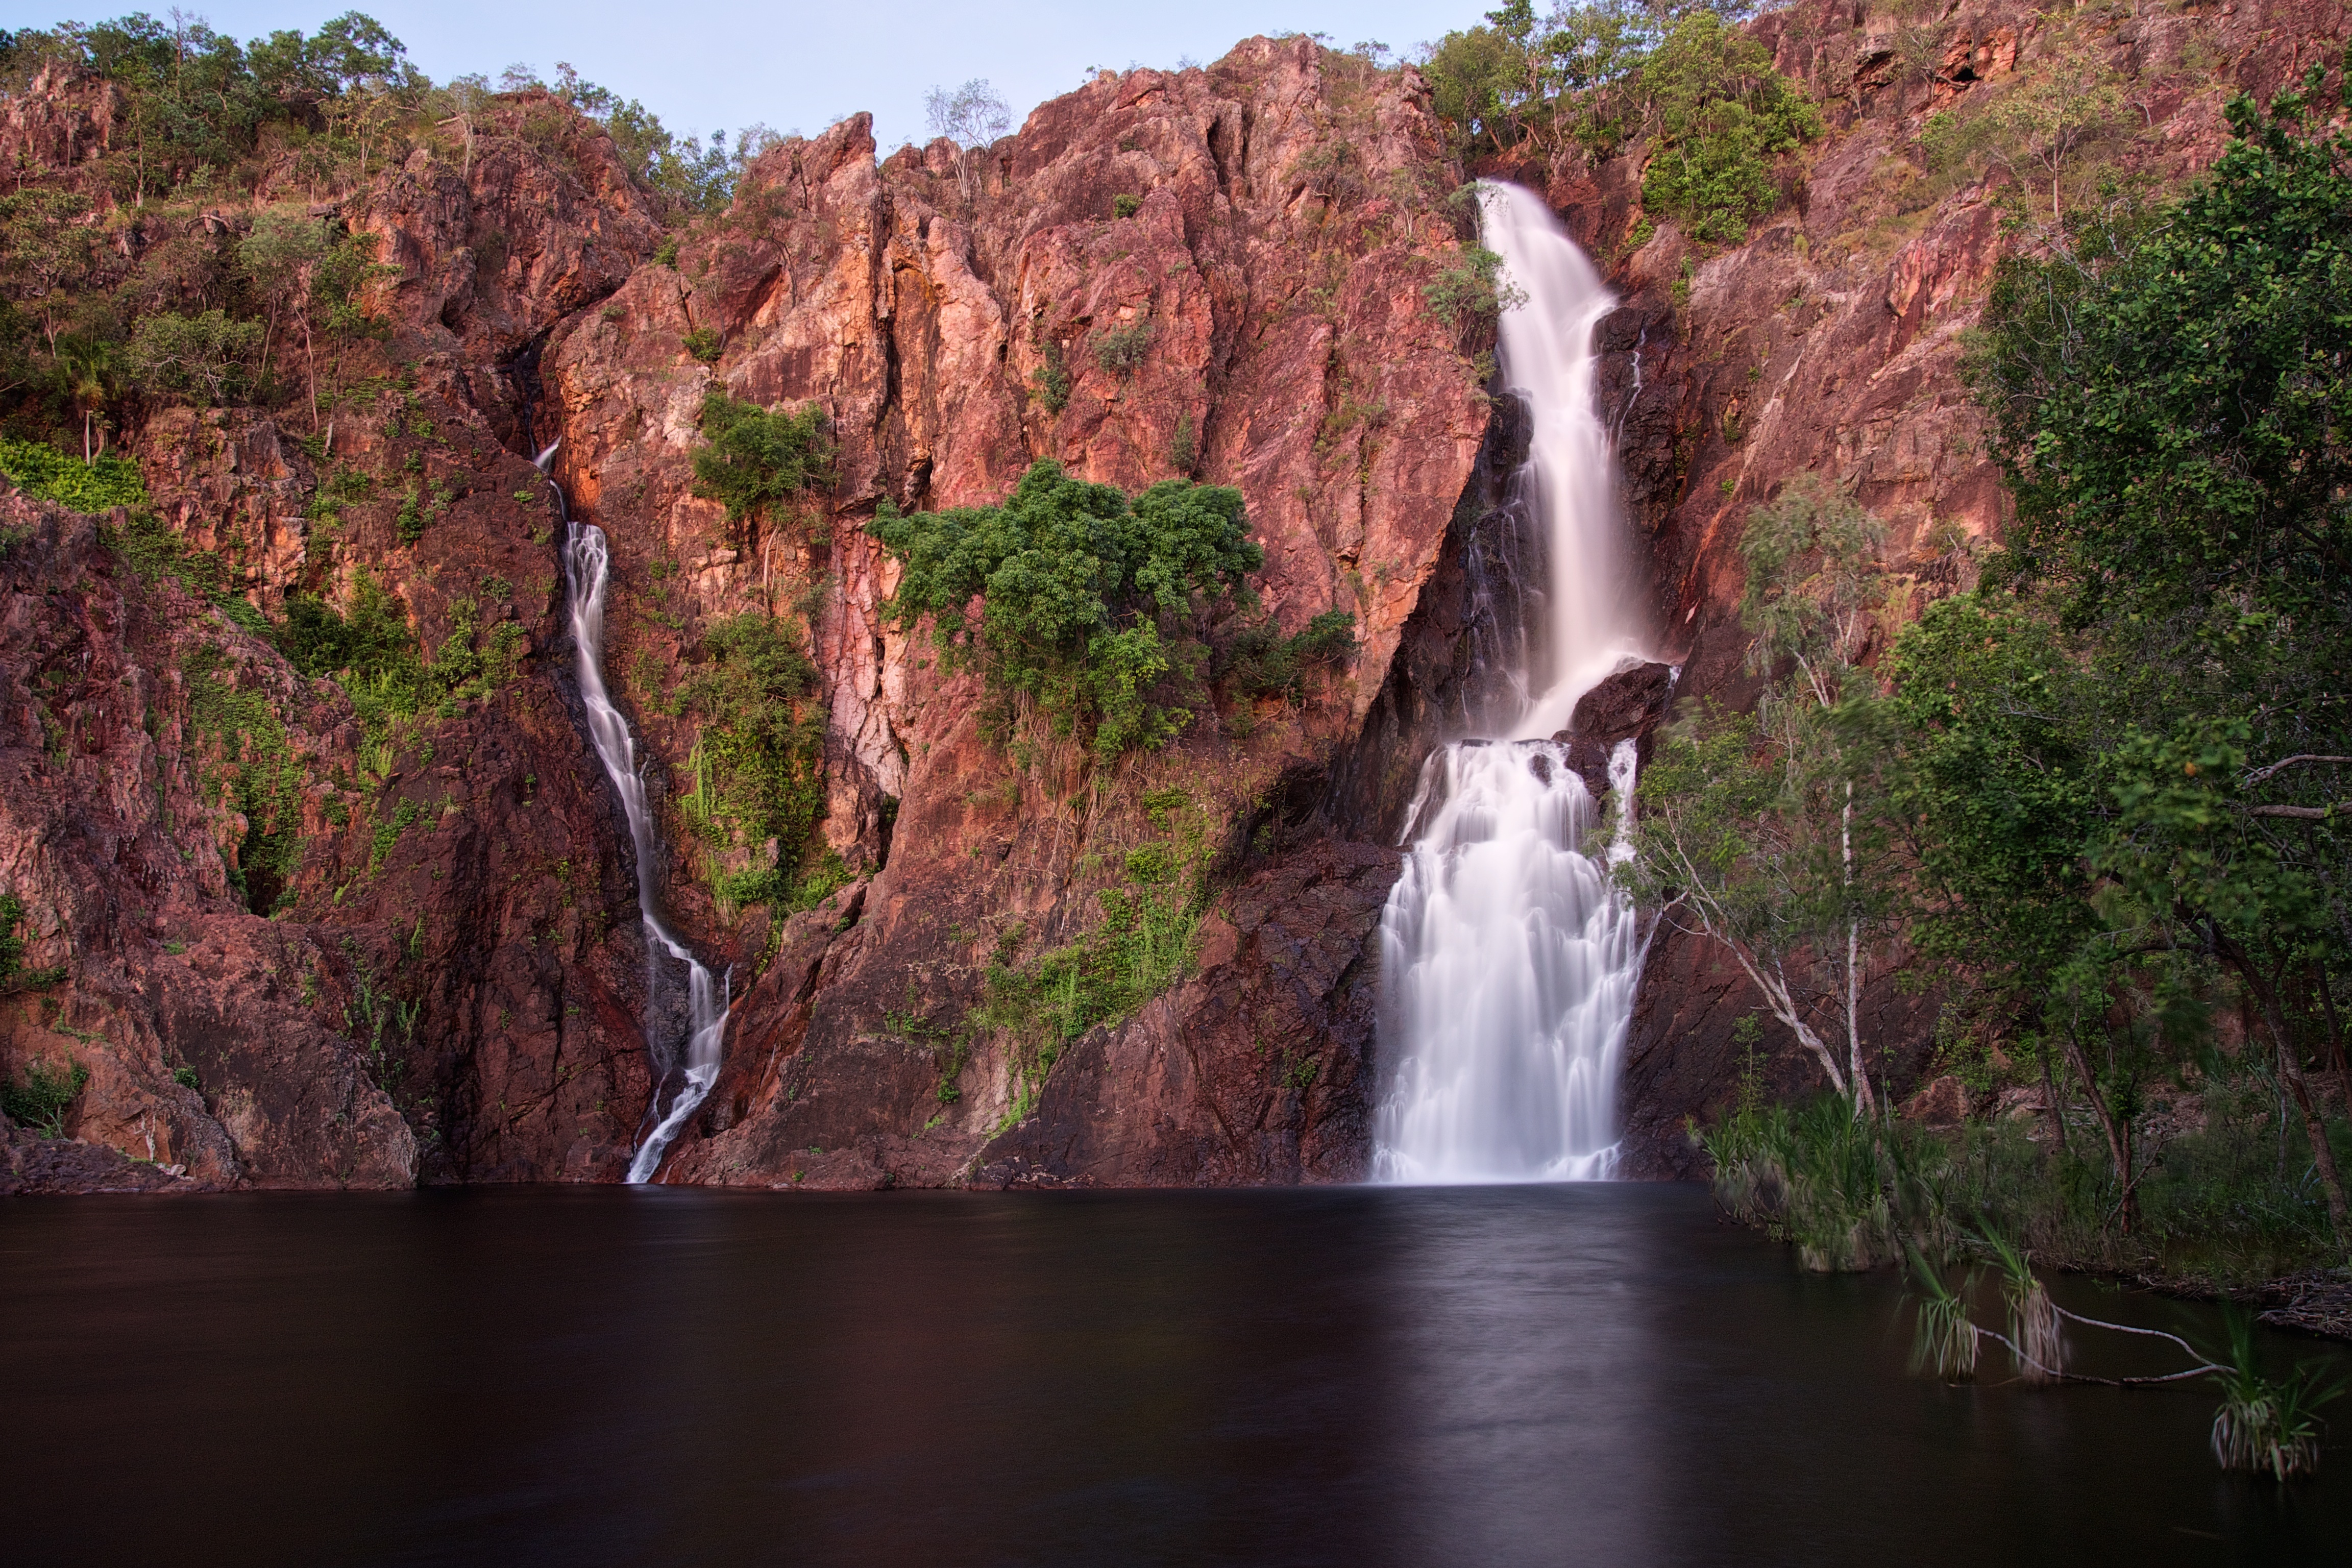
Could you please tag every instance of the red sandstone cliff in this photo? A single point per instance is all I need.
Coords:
(1290, 210)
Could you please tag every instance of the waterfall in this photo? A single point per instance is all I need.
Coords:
(1509, 957)
(587, 568)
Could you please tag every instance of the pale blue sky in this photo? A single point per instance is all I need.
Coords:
(705, 63)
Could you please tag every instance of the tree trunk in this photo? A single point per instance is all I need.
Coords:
(2050, 1096)
(2118, 1137)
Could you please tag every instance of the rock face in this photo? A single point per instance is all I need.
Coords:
(1221, 274)
(1228, 268)
(1628, 706)
(1830, 343)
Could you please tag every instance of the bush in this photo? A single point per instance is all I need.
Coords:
(205, 359)
(1723, 113)
(1257, 660)
(757, 459)
(1052, 379)
(704, 344)
(1471, 291)
(1125, 205)
(758, 762)
(1120, 350)
(47, 474)
(14, 975)
(41, 1099)
(1075, 580)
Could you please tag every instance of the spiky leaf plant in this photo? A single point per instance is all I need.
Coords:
(2035, 1337)
(1944, 1339)
(2266, 1423)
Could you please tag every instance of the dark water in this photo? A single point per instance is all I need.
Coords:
(1501, 1376)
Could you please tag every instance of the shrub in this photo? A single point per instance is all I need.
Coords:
(1120, 350)
(1075, 580)
(1723, 114)
(1125, 205)
(41, 1099)
(704, 343)
(1257, 660)
(14, 975)
(758, 762)
(202, 358)
(756, 458)
(47, 474)
(1472, 292)
(1052, 379)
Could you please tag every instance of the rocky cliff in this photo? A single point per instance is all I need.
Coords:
(301, 948)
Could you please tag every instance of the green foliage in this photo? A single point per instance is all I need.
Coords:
(264, 781)
(206, 358)
(757, 459)
(757, 766)
(1472, 292)
(1052, 379)
(691, 176)
(1120, 351)
(47, 474)
(14, 975)
(1767, 833)
(1124, 205)
(705, 345)
(2163, 644)
(1075, 582)
(1723, 114)
(1849, 1191)
(1255, 659)
(40, 1101)
(2268, 1423)
(1577, 75)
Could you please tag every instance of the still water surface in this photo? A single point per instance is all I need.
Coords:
(1470, 1375)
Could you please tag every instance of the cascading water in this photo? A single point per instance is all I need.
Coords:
(1510, 958)
(587, 567)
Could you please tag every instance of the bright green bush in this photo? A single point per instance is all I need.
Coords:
(1076, 581)
(47, 474)
(41, 1099)
(758, 765)
(1723, 114)
(756, 458)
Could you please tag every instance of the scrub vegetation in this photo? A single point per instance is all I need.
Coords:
(2099, 796)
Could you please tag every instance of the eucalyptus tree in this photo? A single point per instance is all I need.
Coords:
(1765, 833)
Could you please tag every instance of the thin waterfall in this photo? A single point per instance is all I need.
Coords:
(587, 569)
(1509, 956)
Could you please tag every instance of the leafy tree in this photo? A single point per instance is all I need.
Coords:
(1766, 832)
(2170, 396)
(1722, 114)
(973, 116)
(1075, 582)
(201, 358)
(757, 459)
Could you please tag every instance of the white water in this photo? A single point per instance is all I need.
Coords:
(1509, 957)
(587, 564)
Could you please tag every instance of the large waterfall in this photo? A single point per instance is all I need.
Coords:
(587, 566)
(1509, 957)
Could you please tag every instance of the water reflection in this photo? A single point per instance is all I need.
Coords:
(1367, 1376)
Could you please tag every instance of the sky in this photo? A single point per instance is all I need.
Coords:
(704, 65)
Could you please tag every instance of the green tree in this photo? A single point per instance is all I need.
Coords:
(1722, 115)
(1767, 832)
(756, 458)
(1075, 580)
(2169, 395)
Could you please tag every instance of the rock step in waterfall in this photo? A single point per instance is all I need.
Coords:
(1509, 957)
(587, 566)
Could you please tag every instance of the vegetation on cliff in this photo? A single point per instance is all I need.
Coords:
(2100, 795)
(1082, 589)
(1600, 73)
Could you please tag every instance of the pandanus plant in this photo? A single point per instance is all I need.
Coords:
(2264, 1423)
